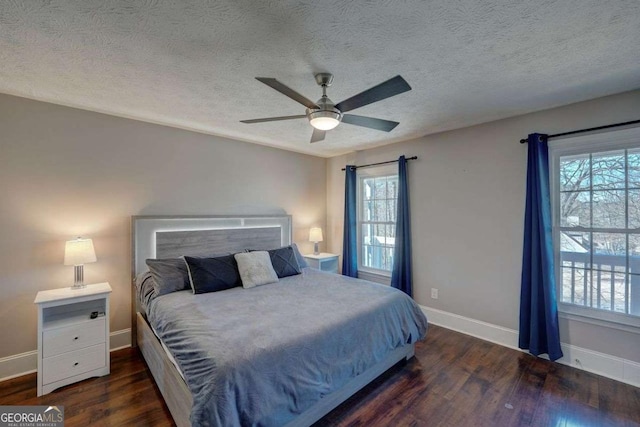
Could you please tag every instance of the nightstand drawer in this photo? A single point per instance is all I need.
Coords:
(73, 337)
(73, 363)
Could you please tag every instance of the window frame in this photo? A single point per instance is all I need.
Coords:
(628, 138)
(361, 175)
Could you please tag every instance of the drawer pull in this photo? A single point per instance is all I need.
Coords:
(76, 364)
(75, 338)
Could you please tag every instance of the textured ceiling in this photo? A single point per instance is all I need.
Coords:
(191, 64)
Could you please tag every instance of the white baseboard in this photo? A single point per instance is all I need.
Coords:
(26, 363)
(623, 370)
(120, 339)
(18, 364)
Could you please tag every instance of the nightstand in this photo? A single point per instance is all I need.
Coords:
(323, 262)
(71, 345)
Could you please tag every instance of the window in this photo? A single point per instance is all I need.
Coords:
(595, 184)
(377, 195)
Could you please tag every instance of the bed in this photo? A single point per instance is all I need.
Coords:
(286, 353)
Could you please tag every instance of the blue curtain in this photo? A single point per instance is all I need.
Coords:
(350, 240)
(538, 309)
(401, 274)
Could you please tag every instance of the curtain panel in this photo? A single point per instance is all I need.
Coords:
(401, 274)
(539, 331)
(349, 239)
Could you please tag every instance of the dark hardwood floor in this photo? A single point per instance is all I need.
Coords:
(454, 380)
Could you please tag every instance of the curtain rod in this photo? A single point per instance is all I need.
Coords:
(380, 163)
(522, 141)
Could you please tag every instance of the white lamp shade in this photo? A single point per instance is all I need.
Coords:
(315, 234)
(79, 251)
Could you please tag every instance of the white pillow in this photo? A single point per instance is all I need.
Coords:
(255, 269)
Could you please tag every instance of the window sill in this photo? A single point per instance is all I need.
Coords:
(374, 277)
(599, 317)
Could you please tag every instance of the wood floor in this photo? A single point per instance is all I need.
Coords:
(454, 380)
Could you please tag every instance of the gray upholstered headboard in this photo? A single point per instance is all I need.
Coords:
(174, 236)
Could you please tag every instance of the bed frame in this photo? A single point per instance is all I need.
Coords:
(173, 236)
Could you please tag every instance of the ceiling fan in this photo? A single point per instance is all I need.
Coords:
(324, 115)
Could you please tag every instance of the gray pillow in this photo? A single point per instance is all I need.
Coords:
(169, 275)
(255, 269)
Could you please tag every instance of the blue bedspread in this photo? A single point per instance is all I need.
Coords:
(262, 356)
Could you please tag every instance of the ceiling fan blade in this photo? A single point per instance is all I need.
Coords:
(318, 135)
(369, 122)
(377, 93)
(273, 119)
(287, 91)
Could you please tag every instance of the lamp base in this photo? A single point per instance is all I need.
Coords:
(78, 277)
(315, 249)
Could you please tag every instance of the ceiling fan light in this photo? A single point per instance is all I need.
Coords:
(324, 120)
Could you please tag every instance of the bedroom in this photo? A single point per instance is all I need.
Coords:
(93, 132)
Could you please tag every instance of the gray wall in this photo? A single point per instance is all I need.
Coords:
(467, 204)
(67, 172)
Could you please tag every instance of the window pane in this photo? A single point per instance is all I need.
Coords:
(634, 274)
(634, 251)
(375, 257)
(391, 235)
(380, 235)
(387, 259)
(608, 170)
(375, 212)
(575, 209)
(367, 209)
(609, 244)
(366, 255)
(391, 210)
(367, 231)
(610, 251)
(609, 209)
(575, 173)
(367, 185)
(392, 188)
(609, 291)
(575, 249)
(634, 208)
(381, 211)
(633, 165)
(380, 188)
(576, 286)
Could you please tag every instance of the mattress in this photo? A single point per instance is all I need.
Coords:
(262, 356)
(144, 295)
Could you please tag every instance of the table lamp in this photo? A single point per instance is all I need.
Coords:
(315, 236)
(77, 253)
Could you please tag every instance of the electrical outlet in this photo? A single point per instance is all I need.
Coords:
(434, 293)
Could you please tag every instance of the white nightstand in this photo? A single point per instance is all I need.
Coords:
(71, 345)
(323, 262)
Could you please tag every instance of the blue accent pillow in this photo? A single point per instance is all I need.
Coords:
(212, 274)
(284, 261)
